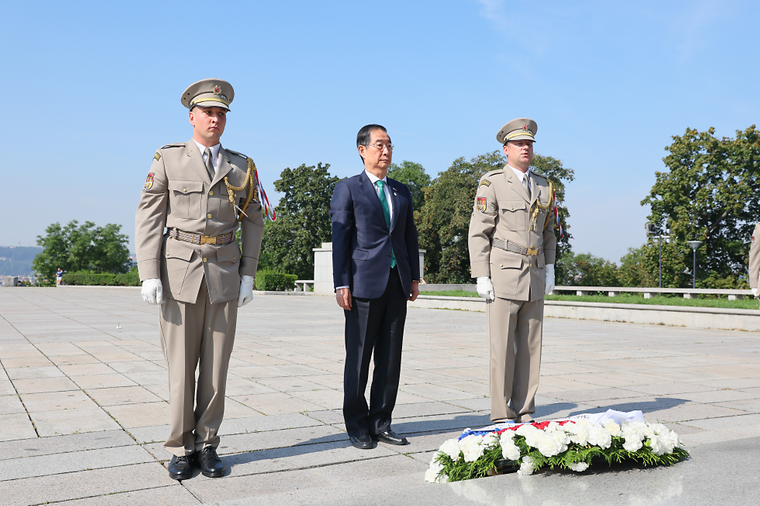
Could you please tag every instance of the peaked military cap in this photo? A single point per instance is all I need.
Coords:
(518, 129)
(209, 93)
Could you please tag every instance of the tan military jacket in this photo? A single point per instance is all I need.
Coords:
(504, 210)
(179, 194)
(754, 257)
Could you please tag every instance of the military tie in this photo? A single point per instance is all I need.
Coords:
(209, 164)
(387, 212)
(526, 183)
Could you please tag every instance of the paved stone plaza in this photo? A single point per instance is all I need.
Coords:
(83, 406)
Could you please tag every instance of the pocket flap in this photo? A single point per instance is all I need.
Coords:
(186, 186)
(513, 205)
(360, 254)
(510, 262)
(228, 253)
(177, 249)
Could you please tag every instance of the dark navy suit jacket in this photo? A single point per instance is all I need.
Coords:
(362, 241)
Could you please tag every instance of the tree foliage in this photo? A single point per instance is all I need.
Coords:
(82, 248)
(711, 193)
(585, 269)
(413, 175)
(444, 219)
(303, 220)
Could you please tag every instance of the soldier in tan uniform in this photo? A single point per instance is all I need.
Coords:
(194, 197)
(754, 260)
(512, 250)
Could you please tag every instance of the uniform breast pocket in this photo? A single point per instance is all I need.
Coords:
(186, 199)
(514, 214)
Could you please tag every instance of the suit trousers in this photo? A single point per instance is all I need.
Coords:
(373, 325)
(199, 336)
(514, 334)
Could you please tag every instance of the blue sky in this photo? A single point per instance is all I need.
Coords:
(92, 89)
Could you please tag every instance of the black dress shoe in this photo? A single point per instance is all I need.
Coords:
(363, 442)
(210, 463)
(391, 438)
(181, 468)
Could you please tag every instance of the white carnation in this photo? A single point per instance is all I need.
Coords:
(433, 474)
(472, 448)
(579, 467)
(552, 443)
(612, 427)
(527, 466)
(509, 449)
(600, 437)
(451, 448)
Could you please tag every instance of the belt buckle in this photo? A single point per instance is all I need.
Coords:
(208, 240)
(532, 251)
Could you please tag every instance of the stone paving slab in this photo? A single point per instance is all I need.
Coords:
(83, 406)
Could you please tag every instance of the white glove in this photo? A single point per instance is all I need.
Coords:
(152, 292)
(246, 291)
(549, 279)
(485, 288)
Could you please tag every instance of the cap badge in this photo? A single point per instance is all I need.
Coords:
(217, 90)
(525, 126)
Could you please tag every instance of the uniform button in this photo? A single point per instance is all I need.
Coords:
(184, 190)
(530, 265)
(211, 192)
(205, 260)
(501, 265)
(209, 215)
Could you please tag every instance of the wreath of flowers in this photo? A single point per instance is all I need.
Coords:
(567, 444)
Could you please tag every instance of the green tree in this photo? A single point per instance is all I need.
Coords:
(635, 269)
(586, 269)
(711, 193)
(303, 220)
(443, 221)
(82, 248)
(413, 175)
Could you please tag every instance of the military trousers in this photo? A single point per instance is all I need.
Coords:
(515, 330)
(196, 336)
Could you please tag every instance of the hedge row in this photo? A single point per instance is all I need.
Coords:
(267, 280)
(90, 279)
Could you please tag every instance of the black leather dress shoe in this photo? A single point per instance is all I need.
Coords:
(210, 463)
(181, 468)
(363, 442)
(391, 438)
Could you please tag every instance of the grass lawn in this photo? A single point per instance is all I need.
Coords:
(630, 299)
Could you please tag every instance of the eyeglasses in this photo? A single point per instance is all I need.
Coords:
(380, 146)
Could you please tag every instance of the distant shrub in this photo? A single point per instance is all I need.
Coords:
(267, 280)
(88, 278)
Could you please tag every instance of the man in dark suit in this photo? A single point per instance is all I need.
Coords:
(376, 269)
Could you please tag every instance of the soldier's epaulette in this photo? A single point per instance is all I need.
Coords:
(237, 153)
(489, 174)
(173, 146)
(540, 175)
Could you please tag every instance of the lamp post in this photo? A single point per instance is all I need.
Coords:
(651, 229)
(694, 245)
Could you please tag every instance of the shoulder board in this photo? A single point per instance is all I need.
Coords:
(173, 146)
(485, 182)
(237, 153)
(540, 175)
(492, 173)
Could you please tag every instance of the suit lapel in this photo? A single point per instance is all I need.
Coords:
(396, 204)
(224, 166)
(195, 160)
(515, 183)
(370, 194)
